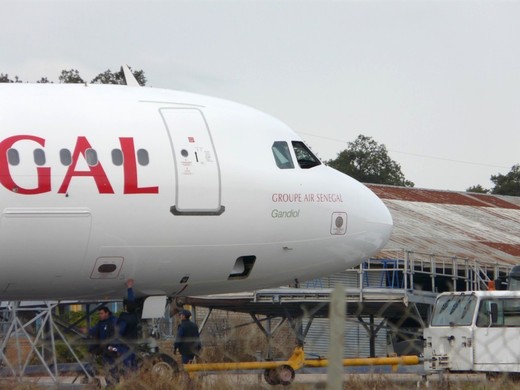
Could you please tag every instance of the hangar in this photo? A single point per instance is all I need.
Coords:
(477, 226)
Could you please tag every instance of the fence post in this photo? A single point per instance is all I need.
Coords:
(432, 270)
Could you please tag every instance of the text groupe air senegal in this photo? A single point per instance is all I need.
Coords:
(307, 197)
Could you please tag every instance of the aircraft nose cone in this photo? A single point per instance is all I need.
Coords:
(370, 223)
(379, 221)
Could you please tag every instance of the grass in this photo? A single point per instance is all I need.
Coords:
(248, 382)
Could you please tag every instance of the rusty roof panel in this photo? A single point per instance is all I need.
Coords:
(495, 200)
(512, 199)
(447, 223)
(513, 249)
(441, 197)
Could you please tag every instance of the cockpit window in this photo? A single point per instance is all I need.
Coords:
(282, 155)
(304, 156)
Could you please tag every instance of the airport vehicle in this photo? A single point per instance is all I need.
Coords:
(184, 193)
(475, 331)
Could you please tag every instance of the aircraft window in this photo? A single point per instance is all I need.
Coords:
(117, 157)
(13, 156)
(304, 156)
(65, 157)
(91, 156)
(282, 155)
(39, 157)
(142, 157)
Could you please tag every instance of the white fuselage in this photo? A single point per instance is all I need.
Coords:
(178, 191)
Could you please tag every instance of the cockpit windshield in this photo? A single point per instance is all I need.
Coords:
(454, 310)
(306, 159)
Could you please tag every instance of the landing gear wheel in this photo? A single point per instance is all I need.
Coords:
(285, 375)
(163, 366)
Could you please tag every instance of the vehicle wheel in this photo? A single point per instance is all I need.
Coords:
(271, 377)
(162, 366)
(285, 375)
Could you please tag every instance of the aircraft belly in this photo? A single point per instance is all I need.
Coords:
(170, 270)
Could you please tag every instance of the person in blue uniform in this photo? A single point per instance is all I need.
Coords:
(104, 332)
(187, 341)
(127, 325)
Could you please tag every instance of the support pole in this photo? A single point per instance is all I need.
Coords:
(336, 341)
(372, 337)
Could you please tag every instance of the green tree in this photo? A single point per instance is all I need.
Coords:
(109, 77)
(477, 189)
(70, 77)
(367, 161)
(4, 78)
(508, 184)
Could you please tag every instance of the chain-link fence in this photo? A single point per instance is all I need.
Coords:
(388, 305)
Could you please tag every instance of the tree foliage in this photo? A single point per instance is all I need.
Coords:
(70, 77)
(367, 161)
(508, 184)
(477, 189)
(4, 78)
(109, 77)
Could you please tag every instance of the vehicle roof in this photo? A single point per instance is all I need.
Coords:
(486, 294)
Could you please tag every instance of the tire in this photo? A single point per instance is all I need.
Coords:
(160, 366)
(270, 377)
(285, 375)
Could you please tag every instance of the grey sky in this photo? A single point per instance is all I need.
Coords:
(426, 78)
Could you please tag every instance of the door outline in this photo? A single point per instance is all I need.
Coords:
(201, 133)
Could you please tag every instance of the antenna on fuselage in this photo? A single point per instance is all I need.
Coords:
(130, 79)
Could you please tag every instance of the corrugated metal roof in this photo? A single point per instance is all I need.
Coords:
(475, 226)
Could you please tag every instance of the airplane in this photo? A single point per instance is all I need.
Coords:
(186, 194)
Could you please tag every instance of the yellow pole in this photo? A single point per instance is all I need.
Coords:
(296, 361)
(383, 361)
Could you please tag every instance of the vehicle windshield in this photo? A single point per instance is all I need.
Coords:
(454, 310)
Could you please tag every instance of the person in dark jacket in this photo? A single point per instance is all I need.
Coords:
(187, 341)
(104, 333)
(105, 330)
(127, 325)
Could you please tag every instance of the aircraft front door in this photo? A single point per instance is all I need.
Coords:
(197, 169)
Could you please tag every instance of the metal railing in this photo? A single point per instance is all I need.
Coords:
(409, 270)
